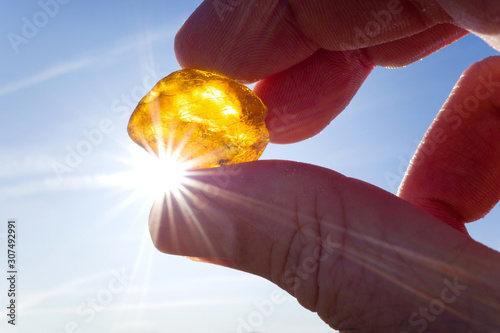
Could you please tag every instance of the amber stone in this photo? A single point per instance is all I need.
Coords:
(202, 119)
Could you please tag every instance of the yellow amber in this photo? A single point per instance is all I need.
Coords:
(200, 117)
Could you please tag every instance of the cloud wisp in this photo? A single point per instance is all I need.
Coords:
(45, 75)
(123, 46)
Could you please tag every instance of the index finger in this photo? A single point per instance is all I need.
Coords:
(292, 45)
(250, 40)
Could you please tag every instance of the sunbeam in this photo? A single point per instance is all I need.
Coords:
(151, 177)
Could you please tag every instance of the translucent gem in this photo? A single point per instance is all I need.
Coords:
(202, 118)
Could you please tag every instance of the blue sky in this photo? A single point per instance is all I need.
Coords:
(83, 235)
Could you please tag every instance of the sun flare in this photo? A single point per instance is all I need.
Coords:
(157, 176)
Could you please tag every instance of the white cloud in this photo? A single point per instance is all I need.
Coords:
(34, 299)
(125, 45)
(53, 184)
(47, 74)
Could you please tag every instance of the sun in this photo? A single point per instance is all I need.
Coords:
(154, 176)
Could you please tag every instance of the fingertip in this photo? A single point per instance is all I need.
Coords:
(455, 173)
(246, 42)
(305, 98)
(477, 16)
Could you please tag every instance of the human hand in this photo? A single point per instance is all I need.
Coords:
(363, 259)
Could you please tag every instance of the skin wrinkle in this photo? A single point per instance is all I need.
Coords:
(386, 246)
(303, 230)
(294, 23)
(273, 259)
(305, 236)
(389, 54)
(367, 297)
(275, 214)
(307, 292)
(364, 59)
(277, 276)
(291, 264)
(317, 244)
(331, 317)
(403, 259)
(320, 271)
(388, 33)
(345, 317)
(361, 266)
(349, 266)
(445, 209)
(299, 27)
(245, 258)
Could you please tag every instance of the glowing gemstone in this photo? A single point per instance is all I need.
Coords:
(202, 118)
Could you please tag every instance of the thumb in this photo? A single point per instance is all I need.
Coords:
(359, 256)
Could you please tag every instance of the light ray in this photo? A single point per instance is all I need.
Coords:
(387, 269)
(183, 196)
